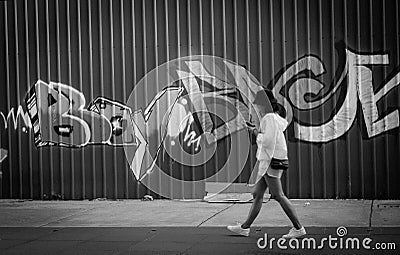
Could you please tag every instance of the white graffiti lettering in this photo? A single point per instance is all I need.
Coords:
(14, 117)
(191, 138)
(358, 87)
(58, 116)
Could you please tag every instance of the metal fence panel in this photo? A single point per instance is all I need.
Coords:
(337, 63)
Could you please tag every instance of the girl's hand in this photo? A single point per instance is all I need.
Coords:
(255, 131)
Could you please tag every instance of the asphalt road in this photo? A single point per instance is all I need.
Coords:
(191, 240)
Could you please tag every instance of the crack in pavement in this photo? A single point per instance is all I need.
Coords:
(370, 214)
(71, 215)
(215, 214)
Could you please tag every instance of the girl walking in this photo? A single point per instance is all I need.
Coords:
(270, 140)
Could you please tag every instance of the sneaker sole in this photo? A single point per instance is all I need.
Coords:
(297, 237)
(246, 235)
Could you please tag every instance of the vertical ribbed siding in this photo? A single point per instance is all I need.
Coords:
(7, 75)
(103, 48)
(396, 154)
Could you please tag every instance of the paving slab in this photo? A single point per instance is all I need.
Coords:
(21, 213)
(385, 213)
(311, 213)
(136, 213)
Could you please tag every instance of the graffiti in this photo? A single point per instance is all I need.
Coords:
(191, 138)
(180, 121)
(197, 92)
(182, 111)
(59, 118)
(3, 154)
(360, 76)
(137, 157)
(119, 116)
(357, 69)
(151, 125)
(244, 83)
(14, 117)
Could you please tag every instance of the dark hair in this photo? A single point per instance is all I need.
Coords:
(272, 99)
(264, 97)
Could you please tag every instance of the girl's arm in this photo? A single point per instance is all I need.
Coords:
(269, 131)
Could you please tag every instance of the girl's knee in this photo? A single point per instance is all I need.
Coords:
(257, 195)
(278, 197)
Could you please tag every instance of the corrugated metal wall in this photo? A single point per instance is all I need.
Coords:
(103, 48)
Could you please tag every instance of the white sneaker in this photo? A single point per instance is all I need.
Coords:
(239, 230)
(295, 233)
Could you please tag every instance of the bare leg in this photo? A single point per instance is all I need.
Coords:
(275, 187)
(258, 196)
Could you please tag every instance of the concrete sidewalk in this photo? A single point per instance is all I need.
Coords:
(184, 227)
(172, 213)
